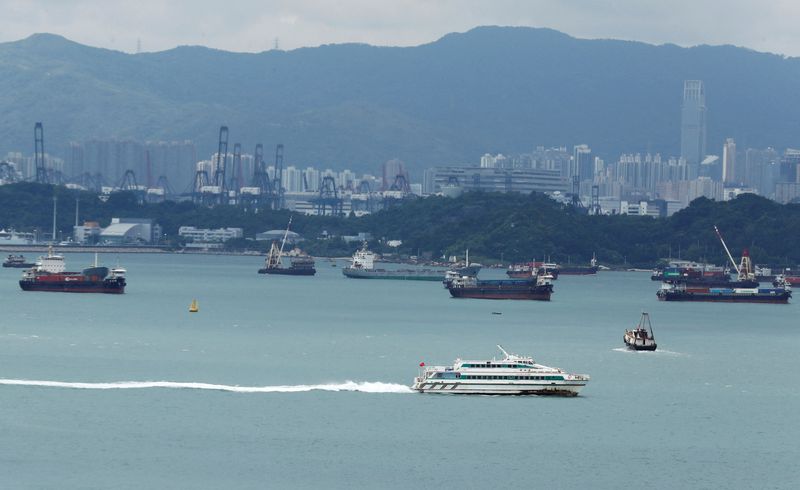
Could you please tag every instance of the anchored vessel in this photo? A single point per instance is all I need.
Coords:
(48, 274)
(579, 270)
(17, 261)
(469, 269)
(511, 375)
(299, 266)
(744, 290)
(641, 337)
(522, 271)
(537, 288)
(363, 267)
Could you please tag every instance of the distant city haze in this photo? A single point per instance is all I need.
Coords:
(255, 26)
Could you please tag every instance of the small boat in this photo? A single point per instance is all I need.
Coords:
(193, 308)
(641, 337)
(511, 375)
(17, 261)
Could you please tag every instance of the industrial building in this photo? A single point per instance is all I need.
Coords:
(130, 231)
(524, 180)
(208, 238)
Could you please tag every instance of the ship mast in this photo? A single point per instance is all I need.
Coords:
(53, 241)
(727, 251)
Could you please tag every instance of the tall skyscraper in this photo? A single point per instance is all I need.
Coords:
(693, 124)
(729, 163)
(582, 162)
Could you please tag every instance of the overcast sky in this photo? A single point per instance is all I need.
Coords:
(254, 25)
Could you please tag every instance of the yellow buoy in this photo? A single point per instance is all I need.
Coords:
(193, 308)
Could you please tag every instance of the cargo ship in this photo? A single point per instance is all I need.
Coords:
(530, 269)
(17, 261)
(706, 278)
(539, 288)
(49, 274)
(363, 267)
(579, 270)
(298, 266)
(679, 291)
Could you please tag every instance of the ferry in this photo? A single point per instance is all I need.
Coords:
(511, 375)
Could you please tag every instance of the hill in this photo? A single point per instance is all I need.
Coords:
(494, 226)
(489, 89)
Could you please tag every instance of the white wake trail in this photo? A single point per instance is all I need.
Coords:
(364, 387)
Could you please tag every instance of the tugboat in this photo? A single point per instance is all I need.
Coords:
(17, 261)
(641, 338)
(537, 288)
(299, 266)
(48, 274)
(745, 275)
(363, 267)
(511, 375)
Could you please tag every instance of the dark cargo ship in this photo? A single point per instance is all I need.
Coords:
(48, 274)
(579, 270)
(539, 288)
(299, 266)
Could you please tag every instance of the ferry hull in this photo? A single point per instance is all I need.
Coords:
(781, 298)
(395, 275)
(566, 390)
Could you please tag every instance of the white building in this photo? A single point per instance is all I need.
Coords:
(206, 235)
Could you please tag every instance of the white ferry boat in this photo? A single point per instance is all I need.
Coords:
(511, 375)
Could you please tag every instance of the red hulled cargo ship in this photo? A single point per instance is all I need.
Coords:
(49, 274)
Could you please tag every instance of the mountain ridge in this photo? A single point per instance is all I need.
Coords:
(490, 89)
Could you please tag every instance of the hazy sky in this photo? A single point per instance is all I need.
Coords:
(254, 25)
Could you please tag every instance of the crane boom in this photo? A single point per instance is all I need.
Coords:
(726, 250)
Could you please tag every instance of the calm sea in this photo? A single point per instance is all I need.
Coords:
(296, 382)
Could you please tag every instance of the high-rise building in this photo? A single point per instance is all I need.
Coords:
(391, 170)
(693, 124)
(729, 163)
(582, 162)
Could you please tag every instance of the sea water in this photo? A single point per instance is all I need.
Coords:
(302, 382)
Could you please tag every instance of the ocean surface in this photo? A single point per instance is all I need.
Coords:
(302, 382)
